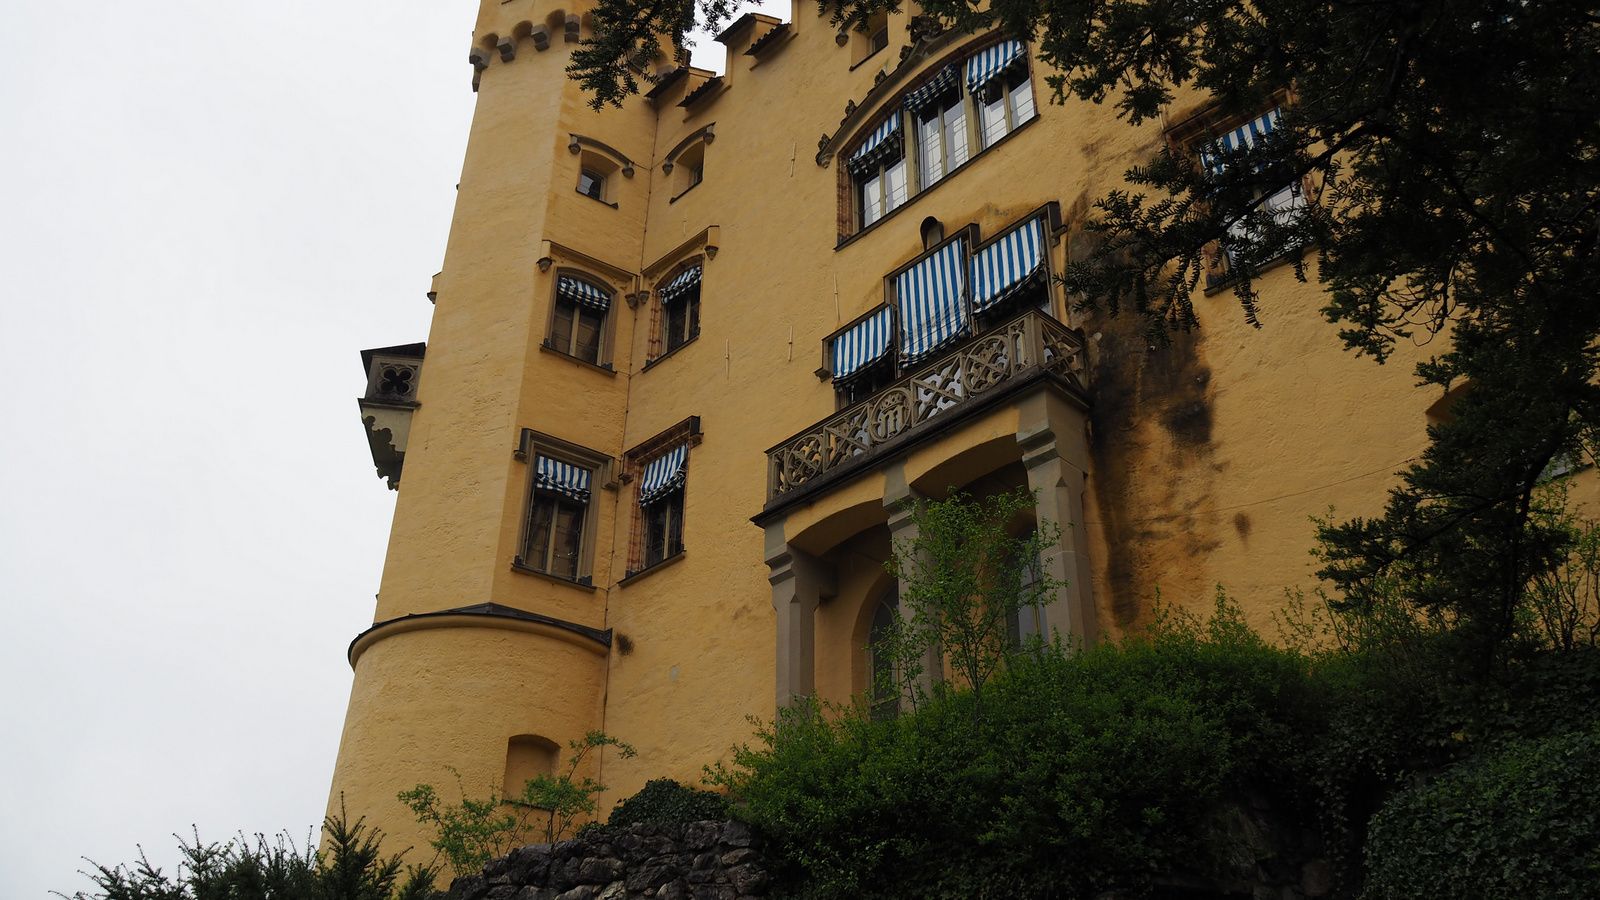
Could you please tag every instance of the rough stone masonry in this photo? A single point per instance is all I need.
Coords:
(697, 861)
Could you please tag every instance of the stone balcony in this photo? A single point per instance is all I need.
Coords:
(973, 377)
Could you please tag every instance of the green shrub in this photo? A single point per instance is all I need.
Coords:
(1522, 822)
(1085, 772)
(665, 801)
(349, 867)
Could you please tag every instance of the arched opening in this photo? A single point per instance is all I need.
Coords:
(527, 757)
(932, 232)
(883, 685)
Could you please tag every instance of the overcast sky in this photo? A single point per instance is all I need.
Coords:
(206, 210)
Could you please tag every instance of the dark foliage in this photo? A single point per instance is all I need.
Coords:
(664, 801)
(1086, 772)
(1520, 822)
(350, 867)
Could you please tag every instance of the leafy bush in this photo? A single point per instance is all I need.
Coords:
(351, 867)
(1518, 823)
(470, 833)
(1085, 772)
(664, 801)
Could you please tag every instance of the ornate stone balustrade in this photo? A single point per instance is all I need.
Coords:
(1032, 344)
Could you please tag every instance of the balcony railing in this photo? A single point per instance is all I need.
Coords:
(1030, 343)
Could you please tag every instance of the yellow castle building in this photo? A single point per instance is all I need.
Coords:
(687, 361)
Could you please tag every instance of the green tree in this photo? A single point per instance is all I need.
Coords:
(1455, 150)
(964, 578)
(470, 833)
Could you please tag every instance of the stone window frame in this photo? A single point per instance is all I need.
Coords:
(608, 321)
(602, 476)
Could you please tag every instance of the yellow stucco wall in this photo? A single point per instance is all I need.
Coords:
(1205, 456)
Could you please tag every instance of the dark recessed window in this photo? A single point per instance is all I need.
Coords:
(578, 322)
(592, 184)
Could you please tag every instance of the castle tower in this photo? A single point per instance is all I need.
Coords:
(688, 362)
(474, 664)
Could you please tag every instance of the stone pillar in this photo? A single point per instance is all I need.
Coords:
(1052, 431)
(898, 497)
(799, 582)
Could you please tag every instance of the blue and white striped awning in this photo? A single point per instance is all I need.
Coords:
(1005, 265)
(922, 96)
(582, 292)
(932, 311)
(554, 475)
(862, 345)
(882, 142)
(990, 62)
(1241, 138)
(663, 475)
(688, 278)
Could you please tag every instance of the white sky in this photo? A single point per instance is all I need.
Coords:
(206, 210)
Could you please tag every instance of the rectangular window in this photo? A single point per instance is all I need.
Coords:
(578, 319)
(663, 528)
(680, 308)
(559, 526)
(660, 467)
(555, 535)
(941, 138)
(683, 318)
(1282, 202)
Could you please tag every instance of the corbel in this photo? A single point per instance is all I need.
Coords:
(479, 58)
(570, 32)
(507, 48)
(546, 260)
(541, 38)
(704, 135)
(577, 142)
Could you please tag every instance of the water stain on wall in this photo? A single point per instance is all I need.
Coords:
(1152, 460)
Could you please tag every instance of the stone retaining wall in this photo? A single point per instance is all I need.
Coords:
(697, 861)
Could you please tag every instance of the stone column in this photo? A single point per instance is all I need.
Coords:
(799, 581)
(1052, 430)
(898, 497)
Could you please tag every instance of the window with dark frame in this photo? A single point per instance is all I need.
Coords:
(592, 184)
(557, 513)
(682, 319)
(663, 528)
(661, 466)
(555, 534)
(578, 321)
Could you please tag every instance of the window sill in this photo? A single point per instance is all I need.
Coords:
(595, 199)
(685, 191)
(652, 569)
(948, 176)
(654, 362)
(583, 582)
(868, 58)
(598, 367)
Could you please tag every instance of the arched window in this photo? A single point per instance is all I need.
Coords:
(884, 687)
(527, 756)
